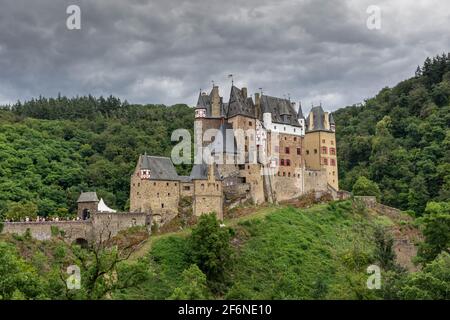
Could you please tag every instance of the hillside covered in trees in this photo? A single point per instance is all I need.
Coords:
(400, 139)
(51, 149)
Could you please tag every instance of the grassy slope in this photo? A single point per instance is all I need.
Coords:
(281, 253)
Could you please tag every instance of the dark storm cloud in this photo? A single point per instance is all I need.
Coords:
(164, 51)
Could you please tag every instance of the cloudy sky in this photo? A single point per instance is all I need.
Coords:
(163, 51)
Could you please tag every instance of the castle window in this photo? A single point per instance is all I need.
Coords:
(323, 140)
(295, 138)
(250, 123)
(175, 184)
(168, 194)
(298, 175)
(275, 127)
(203, 186)
(167, 184)
(324, 150)
(332, 162)
(157, 194)
(334, 173)
(299, 151)
(241, 167)
(133, 184)
(286, 150)
(325, 161)
(332, 151)
(307, 151)
(315, 151)
(332, 142)
(162, 205)
(248, 167)
(288, 162)
(284, 174)
(289, 174)
(246, 148)
(282, 162)
(187, 188)
(154, 183)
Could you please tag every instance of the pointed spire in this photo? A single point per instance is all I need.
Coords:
(300, 111)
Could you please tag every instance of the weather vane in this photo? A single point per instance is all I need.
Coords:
(232, 80)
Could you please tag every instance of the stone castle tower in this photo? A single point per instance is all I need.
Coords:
(280, 156)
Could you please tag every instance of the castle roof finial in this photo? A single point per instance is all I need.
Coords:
(232, 80)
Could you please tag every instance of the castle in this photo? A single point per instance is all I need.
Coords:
(280, 156)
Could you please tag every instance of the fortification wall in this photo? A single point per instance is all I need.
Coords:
(99, 227)
(43, 230)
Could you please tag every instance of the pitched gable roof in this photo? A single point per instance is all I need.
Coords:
(281, 110)
(88, 197)
(161, 168)
(240, 104)
(224, 144)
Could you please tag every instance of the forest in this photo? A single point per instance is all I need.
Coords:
(395, 146)
(53, 148)
(400, 139)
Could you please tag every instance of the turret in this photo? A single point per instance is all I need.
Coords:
(202, 105)
(301, 117)
(144, 170)
(332, 123)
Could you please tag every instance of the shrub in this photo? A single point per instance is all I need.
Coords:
(365, 187)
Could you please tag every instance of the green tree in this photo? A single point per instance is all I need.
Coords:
(432, 283)
(193, 286)
(365, 187)
(18, 279)
(210, 249)
(436, 230)
(20, 210)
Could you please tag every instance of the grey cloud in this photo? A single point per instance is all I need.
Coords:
(164, 51)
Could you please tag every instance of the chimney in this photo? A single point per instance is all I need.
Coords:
(244, 92)
(257, 98)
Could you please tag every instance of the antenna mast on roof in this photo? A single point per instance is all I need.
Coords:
(261, 89)
(232, 80)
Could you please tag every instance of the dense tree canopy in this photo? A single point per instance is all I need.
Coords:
(400, 139)
(51, 149)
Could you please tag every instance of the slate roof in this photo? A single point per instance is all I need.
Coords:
(200, 172)
(88, 197)
(205, 102)
(224, 144)
(239, 104)
(318, 119)
(300, 112)
(281, 110)
(161, 168)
